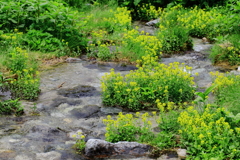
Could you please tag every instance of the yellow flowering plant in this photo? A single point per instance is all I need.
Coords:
(227, 91)
(137, 127)
(135, 45)
(141, 88)
(226, 50)
(26, 86)
(80, 142)
(209, 134)
(17, 60)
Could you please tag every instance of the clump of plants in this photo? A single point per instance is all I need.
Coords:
(135, 45)
(199, 22)
(141, 88)
(147, 12)
(80, 142)
(8, 107)
(137, 127)
(209, 134)
(227, 93)
(47, 16)
(44, 42)
(25, 82)
(226, 50)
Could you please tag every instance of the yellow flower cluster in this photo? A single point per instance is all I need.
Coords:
(141, 44)
(126, 127)
(149, 11)
(221, 80)
(205, 130)
(99, 34)
(142, 87)
(121, 19)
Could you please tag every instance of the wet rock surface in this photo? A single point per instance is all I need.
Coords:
(96, 148)
(79, 91)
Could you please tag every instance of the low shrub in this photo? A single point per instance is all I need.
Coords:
(26, 86)
(17, 60)
(227, 93)
(137, 127)
(135, 45)
(48, 16)
(209, 134)
(11, 107)
(45, 42)
(141, 88)
(174, 39)
(226, 50)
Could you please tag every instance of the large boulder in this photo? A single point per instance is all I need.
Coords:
(96, 148)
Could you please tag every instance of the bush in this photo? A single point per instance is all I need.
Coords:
(10, 107)
(48, 16)
(226, 50)
(45, 42)
(210, 134)
(175, 39)
(135, 45)
(136, 127)
(26, 86)
(227, 92)
(141, 88)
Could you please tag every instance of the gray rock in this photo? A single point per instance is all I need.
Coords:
(85, 112)
(73, 60)
(182, 153)
(22, 157)
(111, 110)
(96, 148)
(53, 155)
(153, 22)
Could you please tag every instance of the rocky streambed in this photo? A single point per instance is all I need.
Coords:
(70, 102)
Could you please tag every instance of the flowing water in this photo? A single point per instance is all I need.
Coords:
(70, 102)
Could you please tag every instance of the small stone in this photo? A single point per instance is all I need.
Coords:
(67, 120)
(14, 140)
(73, 60)
(182, 153)
(238, 69)
(153, 22)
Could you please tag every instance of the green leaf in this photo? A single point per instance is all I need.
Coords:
(13, 21)
(209, 89)
(136, 2)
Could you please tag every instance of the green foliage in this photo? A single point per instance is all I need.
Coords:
(141, 88)
(26, 86)
(48, 16)
(10, 40)
(10, 107)
(175, 39)
(227, 93)
(210, 134)
(227, 49)
(80, 142)
(45, 42)
(168, 121)
(199, 22)
(138, 128)
(202, 96)
(17, 60)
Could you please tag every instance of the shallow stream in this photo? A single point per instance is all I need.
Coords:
(70, 102)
